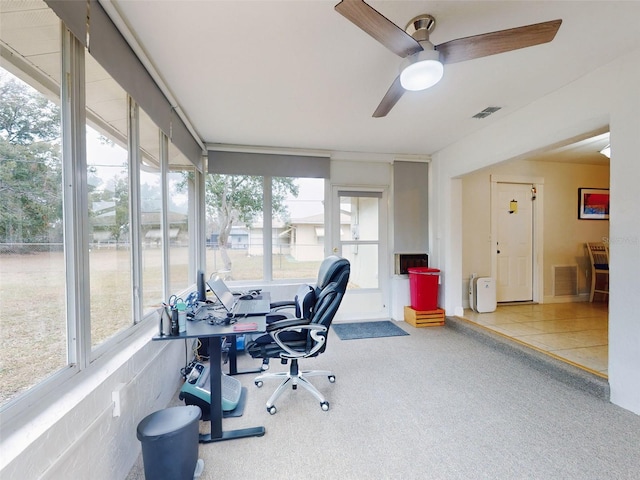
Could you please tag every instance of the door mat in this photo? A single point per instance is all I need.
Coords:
(357, 330)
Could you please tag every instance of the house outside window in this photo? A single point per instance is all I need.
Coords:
(236, 207)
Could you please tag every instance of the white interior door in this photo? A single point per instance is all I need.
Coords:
(513, 211)
(359, 232)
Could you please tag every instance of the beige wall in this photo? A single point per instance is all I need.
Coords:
(563, 234)
(307, 246)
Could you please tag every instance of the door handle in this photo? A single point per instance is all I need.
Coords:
(335, 249)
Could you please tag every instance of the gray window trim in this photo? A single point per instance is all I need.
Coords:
(89, 22)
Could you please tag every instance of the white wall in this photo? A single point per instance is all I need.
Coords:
(609, 95)
(624, 236)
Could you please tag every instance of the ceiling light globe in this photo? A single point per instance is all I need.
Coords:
(421, 71)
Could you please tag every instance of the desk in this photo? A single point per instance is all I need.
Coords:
(202, 329)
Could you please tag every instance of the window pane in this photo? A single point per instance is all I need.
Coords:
(178, 196)
(364, 265)
(108, 183)
(151, 213)
(298, 227)
(234, 205)
(31, 228)
(359, 235)
(362, 214)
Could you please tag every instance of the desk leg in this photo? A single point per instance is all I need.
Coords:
(215, 387)
(233, 359)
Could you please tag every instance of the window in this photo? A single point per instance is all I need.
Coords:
(31, 238)
(180, 201)
(64, 220)
(31, 228)
(298, 229)
(108, 203)
(151, 213)
(234, 205)
(359, 240)
(291, 209)
(240, 208)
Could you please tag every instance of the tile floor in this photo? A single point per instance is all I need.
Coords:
(573, 332)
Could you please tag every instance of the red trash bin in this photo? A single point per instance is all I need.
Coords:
(423, 285)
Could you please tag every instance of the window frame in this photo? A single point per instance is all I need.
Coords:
(82, 359)
(267, 231)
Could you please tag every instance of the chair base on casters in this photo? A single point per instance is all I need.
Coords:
(295, 377)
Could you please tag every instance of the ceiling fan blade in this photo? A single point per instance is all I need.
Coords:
(390, 99)
(378, 26)
(501, 41)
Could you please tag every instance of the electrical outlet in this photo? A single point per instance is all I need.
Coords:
(116, 397)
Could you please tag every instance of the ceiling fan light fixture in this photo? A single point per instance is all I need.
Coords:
(421, 70)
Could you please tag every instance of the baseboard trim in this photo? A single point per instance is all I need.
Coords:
(582, 297)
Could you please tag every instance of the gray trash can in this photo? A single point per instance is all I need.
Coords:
(169, 440)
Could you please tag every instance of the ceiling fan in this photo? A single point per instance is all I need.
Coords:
(423, 64)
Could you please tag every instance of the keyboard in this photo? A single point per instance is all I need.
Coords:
(253, 307)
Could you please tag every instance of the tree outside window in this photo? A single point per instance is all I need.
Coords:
(31, 238)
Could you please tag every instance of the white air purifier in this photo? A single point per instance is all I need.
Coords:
(482, 294)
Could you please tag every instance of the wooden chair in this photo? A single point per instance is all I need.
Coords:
(599, 257)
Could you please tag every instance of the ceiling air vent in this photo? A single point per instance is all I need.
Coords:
(486, 112)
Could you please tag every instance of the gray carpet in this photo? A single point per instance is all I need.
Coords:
(437, 404)
(358, 330)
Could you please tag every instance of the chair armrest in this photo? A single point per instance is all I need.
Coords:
(284, 304)
(315, 331)
(287, 322)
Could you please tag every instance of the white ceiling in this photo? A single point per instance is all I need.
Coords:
(298, 74)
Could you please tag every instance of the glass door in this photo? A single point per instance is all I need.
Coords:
(359, 235)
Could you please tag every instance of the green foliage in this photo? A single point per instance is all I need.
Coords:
(26, 117)
(30, 166)
(121, 195)
(231, 199)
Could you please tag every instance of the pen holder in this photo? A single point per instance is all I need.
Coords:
(165, 321)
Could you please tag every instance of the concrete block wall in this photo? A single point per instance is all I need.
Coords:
(86, 440)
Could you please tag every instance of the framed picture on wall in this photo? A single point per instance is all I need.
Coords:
(593, 203)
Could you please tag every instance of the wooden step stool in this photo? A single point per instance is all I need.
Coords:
(430, 318)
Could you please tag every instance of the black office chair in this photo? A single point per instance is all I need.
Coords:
(304, 335)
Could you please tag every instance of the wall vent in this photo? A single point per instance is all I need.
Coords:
(565, 280)
(404, 261)
(486, 112)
